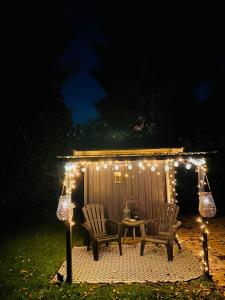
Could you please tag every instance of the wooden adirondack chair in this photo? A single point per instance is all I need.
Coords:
(99, 228)
(167, 225)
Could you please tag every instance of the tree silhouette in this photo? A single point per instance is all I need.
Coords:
(150, 63)
(37, 122)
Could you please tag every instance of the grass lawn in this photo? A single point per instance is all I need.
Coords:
(31, 255)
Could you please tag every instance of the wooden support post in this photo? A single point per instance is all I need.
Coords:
(205, 248)
(68, 251)
(204, 231)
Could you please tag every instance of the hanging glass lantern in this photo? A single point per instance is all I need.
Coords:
(207, 207)
(65, 208)
(126, 213)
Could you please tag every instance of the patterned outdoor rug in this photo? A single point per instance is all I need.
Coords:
(131, 267)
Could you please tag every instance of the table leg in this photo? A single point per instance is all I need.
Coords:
(134, 234)
(125, 234)
(142, 229)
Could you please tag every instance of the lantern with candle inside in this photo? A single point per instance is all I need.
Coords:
(207, 207)
(65, 208)
(126, 213)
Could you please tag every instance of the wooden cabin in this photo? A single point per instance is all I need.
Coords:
(142, 178)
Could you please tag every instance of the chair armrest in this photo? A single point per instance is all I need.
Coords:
(177, 224)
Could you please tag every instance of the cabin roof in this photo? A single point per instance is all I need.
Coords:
(132, 154)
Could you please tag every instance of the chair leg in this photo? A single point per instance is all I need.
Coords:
(88, 244)
(95, 250)
(120, 245)
(177, 242)
(169, 248)
(143, 242)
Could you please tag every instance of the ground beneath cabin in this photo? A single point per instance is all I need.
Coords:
(189, 234)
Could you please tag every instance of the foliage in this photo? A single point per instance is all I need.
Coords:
(153, 74)
(31, 256)
(38, 122)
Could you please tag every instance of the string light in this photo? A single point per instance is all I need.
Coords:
(116, 167)
(176, 164)
(152, 164)
(205, 247)
(153, 168)
(140, 164)
(167, 168)
(130, 167)
(188, 166)
(72, 171)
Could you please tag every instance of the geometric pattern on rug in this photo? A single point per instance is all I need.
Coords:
(131, 267)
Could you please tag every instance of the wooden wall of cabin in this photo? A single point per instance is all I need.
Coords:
(147, 189)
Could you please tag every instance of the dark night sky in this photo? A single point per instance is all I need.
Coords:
(82, 90)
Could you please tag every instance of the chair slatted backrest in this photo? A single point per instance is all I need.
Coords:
(168, 213)
(94, 217)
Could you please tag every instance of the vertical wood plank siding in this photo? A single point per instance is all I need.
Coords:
(147, 189)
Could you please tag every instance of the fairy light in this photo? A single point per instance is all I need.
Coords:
(204, 241)
(176, 164)
(188, 166)
(140, 165)
(167, 167)
(72, 171)
(69, 166)
(116, 167)
(129, 167)
(153, 168)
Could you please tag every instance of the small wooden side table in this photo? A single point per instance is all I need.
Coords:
(134, 223)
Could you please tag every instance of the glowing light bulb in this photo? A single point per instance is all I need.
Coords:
(83, 170)
(69, 166)
(167, 168)
(130, 167)
(188, 166)
(105, 166)
(97, 168)
(153, 168)
(176, 164)
(116, 167)
(140, 164)
(203, 161)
